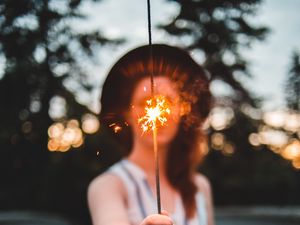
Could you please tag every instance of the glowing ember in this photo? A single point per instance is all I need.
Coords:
(116, 128)
(156, 111)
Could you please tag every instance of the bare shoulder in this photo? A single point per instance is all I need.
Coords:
(106, 182)
(202, 182)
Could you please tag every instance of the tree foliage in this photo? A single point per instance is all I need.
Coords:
(43, 49)
(219, 29)
(292, 88)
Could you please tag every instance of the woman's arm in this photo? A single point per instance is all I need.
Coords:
(107, 201)
(204, 186)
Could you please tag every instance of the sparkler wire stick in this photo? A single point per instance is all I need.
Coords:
(155, 147)
(150, 44)
(156, 169)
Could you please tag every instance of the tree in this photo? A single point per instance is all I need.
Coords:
(42, 51)
(218, 29)
(292, 87)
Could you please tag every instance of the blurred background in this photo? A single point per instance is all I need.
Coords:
(54, 57)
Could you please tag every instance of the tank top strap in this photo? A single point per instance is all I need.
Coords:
(140, 199)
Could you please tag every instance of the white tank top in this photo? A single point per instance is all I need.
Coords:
(141, 201)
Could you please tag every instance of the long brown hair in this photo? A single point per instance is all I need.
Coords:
(184, 154)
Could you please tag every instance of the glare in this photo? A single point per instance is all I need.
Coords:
(63, 137)
(73, 123)
(275, 138)
(35, 106)
(90, 124)
(56, 130)
(156, 111)
(217, 140)
(63, 147)
(57, 108)
(252, 112)
(203, 147)
(296, 163)
(275, 118)
(117, 128)
(53, 145)
(292, 150)
(292, 122)
(254, 139)
(221, 117)
(220, 88)
(68, 136)
(228, 149)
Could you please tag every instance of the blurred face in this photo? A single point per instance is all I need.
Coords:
(165, 87)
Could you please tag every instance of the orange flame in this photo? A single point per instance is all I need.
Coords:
(156, 112)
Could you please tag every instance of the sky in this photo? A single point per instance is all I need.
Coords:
(268, 61)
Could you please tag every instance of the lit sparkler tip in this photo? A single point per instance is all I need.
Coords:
(156, 111)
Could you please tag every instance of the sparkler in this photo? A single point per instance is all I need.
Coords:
(156, 112)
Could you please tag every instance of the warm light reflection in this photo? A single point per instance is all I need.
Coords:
(292, 123)
(221, 117)
(275, 118)
(56, 130)
(278, 133)
(272, 137)
(296, 163)
(90, 124)
(254, 139)
(62, 138)
(116, 128)
(228, 149)
(217, 141)
(292, 150)
(156, 111)
(203, 146)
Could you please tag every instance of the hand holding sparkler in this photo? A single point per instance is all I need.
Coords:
(163, 219)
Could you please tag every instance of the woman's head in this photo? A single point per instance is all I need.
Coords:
(166, 61)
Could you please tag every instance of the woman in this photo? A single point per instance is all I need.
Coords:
(125, 194)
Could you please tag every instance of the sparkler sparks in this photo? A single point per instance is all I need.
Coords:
(116, 128)
(156, 111)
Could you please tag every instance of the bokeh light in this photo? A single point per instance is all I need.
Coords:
(292, 150)
(221, 117)
(254, 139)
(280, 133)
(90, 124)
(275, 118)
(64, 137)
